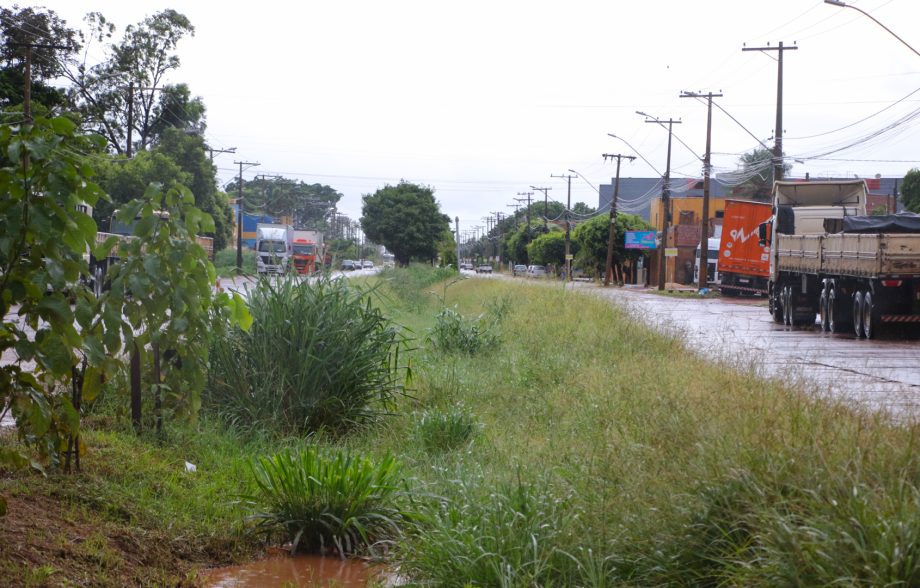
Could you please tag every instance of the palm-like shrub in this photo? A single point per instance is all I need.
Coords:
(325, 500)
(318, 356)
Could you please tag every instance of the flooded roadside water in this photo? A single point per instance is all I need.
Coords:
(281, 569)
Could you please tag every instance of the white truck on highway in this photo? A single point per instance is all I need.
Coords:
(828, 258)
(274, 248)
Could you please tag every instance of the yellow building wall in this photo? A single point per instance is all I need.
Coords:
(680, 204)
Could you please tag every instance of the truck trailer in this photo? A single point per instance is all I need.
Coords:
(858, 273)
(744, 261)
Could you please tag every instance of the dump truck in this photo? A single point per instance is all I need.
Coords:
(857, 273)
(307, 251)
(744, 261)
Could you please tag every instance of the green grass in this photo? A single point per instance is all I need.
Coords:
(604, 454)
(225, 262)
(327, 500)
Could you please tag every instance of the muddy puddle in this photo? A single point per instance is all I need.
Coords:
(281, 569)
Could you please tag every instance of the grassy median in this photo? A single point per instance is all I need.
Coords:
(569, 446)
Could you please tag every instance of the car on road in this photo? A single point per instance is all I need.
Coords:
(484, 269)
(367, 264)
(519, 270)
(349, 265)
(466, 266)
(536, 271)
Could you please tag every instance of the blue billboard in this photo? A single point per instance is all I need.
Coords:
(640, 239)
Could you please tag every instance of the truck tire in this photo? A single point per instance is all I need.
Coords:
(869, 316)
(858, 315)
(823, 310)
(776, 308)
(837, 311)
(788, 319)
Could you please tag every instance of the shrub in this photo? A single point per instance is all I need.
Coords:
(442, 431)
(452, 332)
(318, 356)
(408, 284)
(324, 500)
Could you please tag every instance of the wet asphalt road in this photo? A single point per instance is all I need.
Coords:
(882, 374)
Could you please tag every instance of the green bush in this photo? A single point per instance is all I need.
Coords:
(323, 500)
(443, 431)
(451, 332)
(318, 356)
(225, 261)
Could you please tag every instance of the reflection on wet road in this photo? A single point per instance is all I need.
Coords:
(879, 374)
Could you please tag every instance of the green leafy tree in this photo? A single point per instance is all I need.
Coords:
(592, 237)
(757, 171)
(549, 249)
(44, 241)
(406, 219)
(41, 27)
(910, 190)
(141, 60)
(583, 209)
(310, 206)
(162, 288)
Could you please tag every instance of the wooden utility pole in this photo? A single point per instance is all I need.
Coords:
(707, 158)
(545, 205)
(778, 132)
(239, 217)
(613, 214)
(665, 201)
(568, 232)
(212, 151)
(526, 210)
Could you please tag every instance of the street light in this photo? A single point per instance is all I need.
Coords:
(845, 5)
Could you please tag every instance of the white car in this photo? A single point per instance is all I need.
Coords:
(367, 264)
(536, 271)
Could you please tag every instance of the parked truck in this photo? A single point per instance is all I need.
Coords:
(274, 247)
(308, 251)
(744, 261)
(827, 258)
(712, 256)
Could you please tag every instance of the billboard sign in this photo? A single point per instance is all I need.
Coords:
(640, 239)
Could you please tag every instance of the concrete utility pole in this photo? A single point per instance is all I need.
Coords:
(704, 222)
(568, 206)
(665, 199)
(545, 204)
(457, 232)
(778, 133)
(213, 151)
(239, 217)
(613, 214)
(498, 225)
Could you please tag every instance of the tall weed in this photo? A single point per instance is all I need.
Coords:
(452, 332)
(327, 500)
(410, 284)
(318, 356)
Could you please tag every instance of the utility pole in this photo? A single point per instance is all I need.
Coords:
(665, 201)
(212, 151)
(704, 222)
(27, 74)
(526, 210)
(457, 232)
(568, 206)
(239, 217)
(498, 225)
(778, 133)
(613, 214)
(545, 204)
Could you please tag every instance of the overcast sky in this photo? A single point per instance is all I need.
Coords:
(482, 100)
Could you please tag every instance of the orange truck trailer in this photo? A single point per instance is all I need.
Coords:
(744, 264)
(308, 251)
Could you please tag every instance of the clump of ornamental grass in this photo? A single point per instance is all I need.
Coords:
(454, 333)
(439, 431)
(319, 356)
(327, 500)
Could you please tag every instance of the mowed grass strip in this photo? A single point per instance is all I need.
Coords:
(671, 469)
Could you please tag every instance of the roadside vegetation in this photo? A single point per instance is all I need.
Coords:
(578, 448)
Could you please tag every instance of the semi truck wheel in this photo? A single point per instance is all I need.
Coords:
(776, 308)
(837, 311)
(788, 319)
(869, 316)
(823, 310)
(858, 315)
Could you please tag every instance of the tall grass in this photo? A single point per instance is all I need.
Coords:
(319, 355)
(452, 332)
(412, 286)
(675, 471)
(327, 500)
(225, 262)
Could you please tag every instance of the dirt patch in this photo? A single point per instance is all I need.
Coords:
(45, 541)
